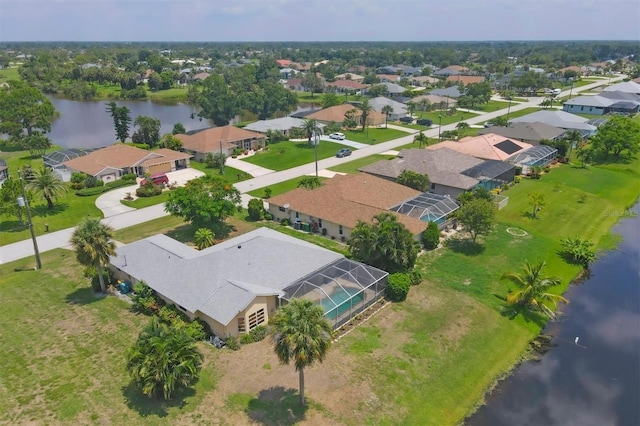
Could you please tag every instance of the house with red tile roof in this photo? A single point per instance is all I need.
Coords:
(345, 86)
(284, 63)
(487, 147)
(335, 208)
(110, 163)
(223, 139)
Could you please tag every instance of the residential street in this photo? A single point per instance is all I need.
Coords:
(119, 218)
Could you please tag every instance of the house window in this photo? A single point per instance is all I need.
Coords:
(241, 326)
(256, 318)
(281, 209)
(319, 223)
(340, 229)
(433, 186)
(581, 108)
(297, 215)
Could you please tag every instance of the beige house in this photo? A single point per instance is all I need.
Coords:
(336, 114)
(350, 76)
(220, 139)
(237, 285)
(488, 147)
(110, 163)
(334, 209)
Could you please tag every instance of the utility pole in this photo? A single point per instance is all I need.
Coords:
(509, 109)
(316, 140)
(440, 127)
(222, 159)
(24, 202)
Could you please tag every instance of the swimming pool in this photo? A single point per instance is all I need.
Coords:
(343, 298)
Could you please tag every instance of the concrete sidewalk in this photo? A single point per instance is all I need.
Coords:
(247, 167)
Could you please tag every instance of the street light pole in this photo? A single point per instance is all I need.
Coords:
(222, 158)
(571, 90)
(24, 202)
(509, 109)
(439, 127)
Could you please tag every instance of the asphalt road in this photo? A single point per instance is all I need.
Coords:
(60, 239)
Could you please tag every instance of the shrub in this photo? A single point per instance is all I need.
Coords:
(258, 333)
(232, 343)
(268, 216)
(144, 299)
(246, 338)
(99, 182)
(431, 237)
(141, 145)
(398, 287)
(95, 282)
(128, 177)
(415, 276)
(90, 182)
(149, 190)
(267, 192)
(87, 192)
(77, 180)
(255, 207)
(285, 222)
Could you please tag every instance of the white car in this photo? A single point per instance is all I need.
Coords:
(337, 136)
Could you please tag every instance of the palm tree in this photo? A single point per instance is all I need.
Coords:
(462, 127)
(532, 292)
(424, 105)
(311, 128)
(93, 242)
(411, 107)
(46, 184)
(574, 137)
(203, 238)
(386, 110)
(537, 202)
(365, 109)
(163, 359)
(300, 334)
(421, 138)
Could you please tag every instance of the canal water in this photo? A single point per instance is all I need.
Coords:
(87, 124)
(596, 381)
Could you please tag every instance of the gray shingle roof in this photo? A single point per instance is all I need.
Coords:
(444, 166)
(450, 92)
(222, 280)
(561, 119)
(526, 131)
(281, 124)
(379, 102)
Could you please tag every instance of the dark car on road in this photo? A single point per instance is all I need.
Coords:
(424, 122)
(344, 152)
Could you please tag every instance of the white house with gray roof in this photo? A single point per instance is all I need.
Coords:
(399, 109)
(282, 125)
(238, 284)
(561, 119)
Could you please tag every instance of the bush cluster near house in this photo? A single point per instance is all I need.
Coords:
(431, 237)
(398, 287)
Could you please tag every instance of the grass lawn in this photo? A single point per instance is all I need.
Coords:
(142, 202)
(514, 114)
(279, 188)
(353, 166)
(492, 105)
(7, 74)
(230, 173)
(287, 154)
(446, 119)
(68, 210)
(175, 94)
(373, 135)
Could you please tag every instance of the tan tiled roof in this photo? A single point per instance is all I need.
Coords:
(336, 114)
(346, 199)
(457, 68)
(482, 146)
(120, 156)
(208, 140)
(349, 84)
(390, 77)
(466, 79)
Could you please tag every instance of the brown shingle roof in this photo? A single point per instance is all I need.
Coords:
(336, 114)
(346, 199)
(208, 140)
(120, 156)
(466, 79)
(482, 146)
(348, 84)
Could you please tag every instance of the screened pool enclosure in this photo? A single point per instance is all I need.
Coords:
(343, 289)
(427, 207)
(539, 156)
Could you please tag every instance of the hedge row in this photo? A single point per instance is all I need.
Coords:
(87, 192)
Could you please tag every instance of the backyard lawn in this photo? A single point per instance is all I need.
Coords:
(373, 135)
(287, 154)
(353, 166)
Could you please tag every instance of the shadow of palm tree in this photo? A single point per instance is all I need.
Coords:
(154, 406)
(465, 246)
(42, 210)
(12, 226)
(83, 296)
(276, 406)
(529, 316)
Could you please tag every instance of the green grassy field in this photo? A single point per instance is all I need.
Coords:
(287, 154)
(373, 135)
(354, 165)
(446, 119)
(491, 106)
(7, 74)
(525, 111)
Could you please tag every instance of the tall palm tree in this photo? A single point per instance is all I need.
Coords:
(411, 107)
(421, 138)
(574, 137)
(424, 105)
(163, 359)
(300, 334)
(46, 184)
(93, 242)
(386, 110)
(365, 110)
(532, 292)
(310, 127)
(462, 128)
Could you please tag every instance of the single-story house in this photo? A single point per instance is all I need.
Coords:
(449, 92)
(408, 70)
(295, 84)
(388, 78)
(451, 70)
(625, 86)
(388, 69)
(110, 163)
(423, 80)
(350, 76)
(399, 109)
(282, 125)
(237, 285)
(487, 147)
(283, 63)
(451, 173)
(465, 79)
(223, 139)
(605, 103)
(287, 73)
(336, 114)
(560, 119)
(393, 89)
(343, 86)
(531, 133)
(335, 208)
(436, 102)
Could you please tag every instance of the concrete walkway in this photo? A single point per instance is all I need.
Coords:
(347, 142)
(247, 167)
(50, 241)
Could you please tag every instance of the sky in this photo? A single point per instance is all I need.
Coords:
(318, 20)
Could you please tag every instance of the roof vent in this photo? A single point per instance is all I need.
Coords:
(239, 247)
